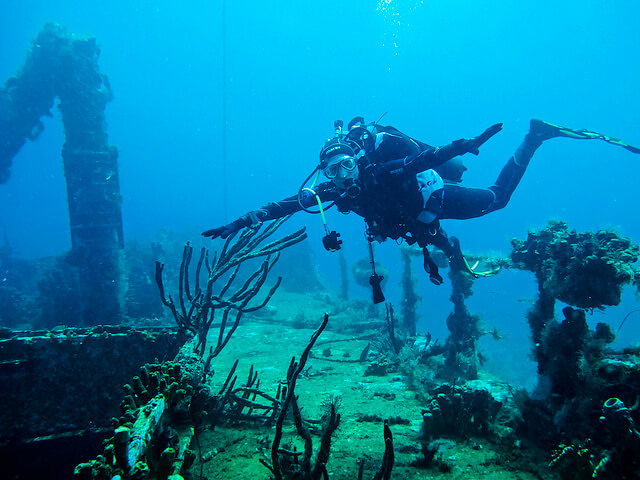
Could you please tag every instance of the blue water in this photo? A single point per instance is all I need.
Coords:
(442, 70)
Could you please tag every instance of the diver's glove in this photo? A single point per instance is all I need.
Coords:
(224, 231)
(472, 145)
(476, 142)
(466, 145)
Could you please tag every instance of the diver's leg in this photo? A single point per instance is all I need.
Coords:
(450, 246)
(512, 172)
(463, 202)
(539, 131)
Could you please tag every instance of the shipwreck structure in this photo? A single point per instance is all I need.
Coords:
(65, 66)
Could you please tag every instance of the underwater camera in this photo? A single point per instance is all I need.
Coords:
(331, 241)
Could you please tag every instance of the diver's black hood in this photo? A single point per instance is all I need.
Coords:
(333, 147)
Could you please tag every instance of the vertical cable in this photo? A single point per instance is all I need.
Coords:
(225, 189)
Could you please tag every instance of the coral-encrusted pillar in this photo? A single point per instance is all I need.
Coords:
(66, 66)
(93, 187)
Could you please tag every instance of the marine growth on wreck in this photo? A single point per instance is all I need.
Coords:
(233, 358)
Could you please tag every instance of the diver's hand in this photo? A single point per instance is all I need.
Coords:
(466, 145)
(229, 229)
(222, 232)
(473, 144)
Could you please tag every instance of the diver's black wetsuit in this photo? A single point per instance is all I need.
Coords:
(389, 198)
(396, 188)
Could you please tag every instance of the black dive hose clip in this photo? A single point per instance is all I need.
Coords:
(375, 279)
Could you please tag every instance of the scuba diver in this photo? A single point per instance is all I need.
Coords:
(403, 187)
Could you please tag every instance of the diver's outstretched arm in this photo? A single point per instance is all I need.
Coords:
(433, 157)
(272, 211)
(465, 145)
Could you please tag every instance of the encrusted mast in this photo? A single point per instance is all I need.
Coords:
(66, 66)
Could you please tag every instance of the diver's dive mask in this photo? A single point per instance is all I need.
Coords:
(343, 173)
(346, 163)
